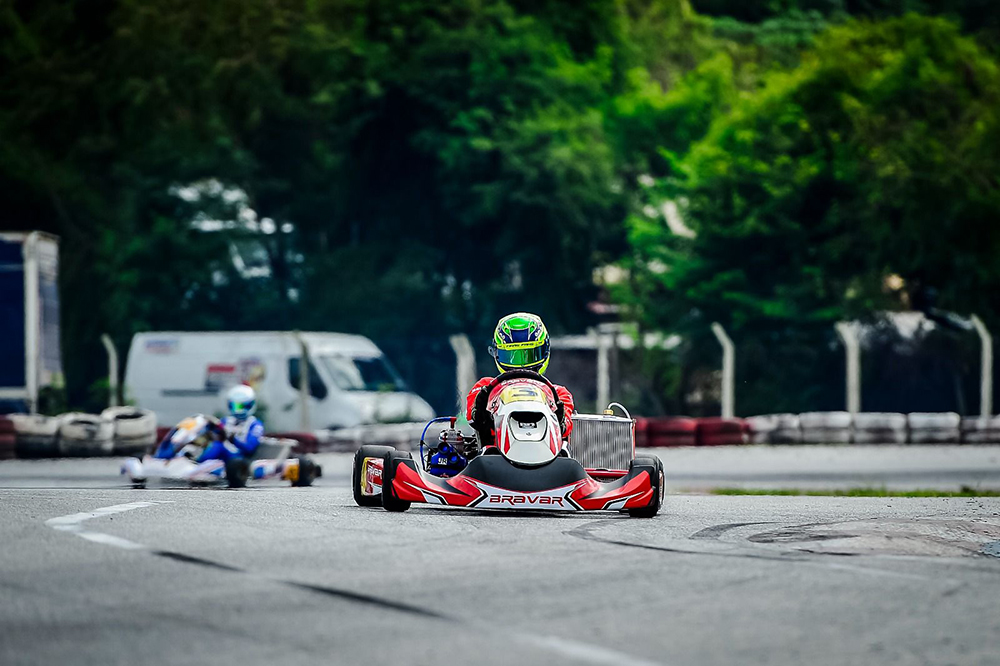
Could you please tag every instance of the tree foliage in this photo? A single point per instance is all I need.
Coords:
(390, 164)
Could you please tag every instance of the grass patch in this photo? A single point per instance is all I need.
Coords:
(965, 491)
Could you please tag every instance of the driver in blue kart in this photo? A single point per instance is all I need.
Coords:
(241, 431)
(520, 342)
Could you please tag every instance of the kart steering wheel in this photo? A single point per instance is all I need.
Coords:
(484, 395)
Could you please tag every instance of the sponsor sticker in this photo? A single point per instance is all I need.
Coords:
(161, 346)
(371, 476)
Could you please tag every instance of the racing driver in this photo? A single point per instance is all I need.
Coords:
(241, 430)
(520, 342)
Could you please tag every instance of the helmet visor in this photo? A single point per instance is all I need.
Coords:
(522, 358)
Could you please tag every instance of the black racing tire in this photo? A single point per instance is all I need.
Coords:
(308, 471)
(389, 500)
(139, 484)
(658, 487)
(237, 472)
(366, 451)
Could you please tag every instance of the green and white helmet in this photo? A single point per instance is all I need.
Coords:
(520, 342)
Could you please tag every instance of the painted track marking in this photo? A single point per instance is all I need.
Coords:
(73, 523)
(578, 650)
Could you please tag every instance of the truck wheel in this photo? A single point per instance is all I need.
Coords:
(389, 500)
(655, 468)
(307, 473)
(237, 472)
(366, 451)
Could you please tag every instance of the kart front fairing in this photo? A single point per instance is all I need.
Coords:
(492, 481)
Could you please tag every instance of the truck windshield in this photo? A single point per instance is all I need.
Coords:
(371, 373)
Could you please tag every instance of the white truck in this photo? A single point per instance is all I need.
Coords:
(350, 382)
(29, 319)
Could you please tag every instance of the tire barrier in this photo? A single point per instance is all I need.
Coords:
(977, 430)
(7, 439)
(305, 442)
(83, 435)
(880, 428)
(718, 431)
(934, 428)
(671, 431)
(825, 427)
(36, 436)
(774, 429)
(134, 430)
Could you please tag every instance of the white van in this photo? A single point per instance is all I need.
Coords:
(350, 381)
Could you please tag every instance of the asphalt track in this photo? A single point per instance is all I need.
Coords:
(92, 572)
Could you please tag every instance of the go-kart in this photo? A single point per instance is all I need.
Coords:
(176, 459)
(517, 459)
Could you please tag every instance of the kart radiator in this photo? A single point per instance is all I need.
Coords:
(602, 441)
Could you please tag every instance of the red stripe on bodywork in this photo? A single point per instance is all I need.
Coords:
(638, 491)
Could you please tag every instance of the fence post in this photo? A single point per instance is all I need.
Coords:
(303, 381)
(465, 367)
(112, 369)
(985, 368)
(728, 369)
(849, 335)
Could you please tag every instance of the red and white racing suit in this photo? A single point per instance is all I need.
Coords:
(564, 396)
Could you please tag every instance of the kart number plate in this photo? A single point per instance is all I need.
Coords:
(522, 393)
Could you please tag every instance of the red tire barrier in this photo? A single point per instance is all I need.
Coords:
(717, 431)
(671, 431)
(7, 446)
(641, 432)
(307, 442)
(6, 426)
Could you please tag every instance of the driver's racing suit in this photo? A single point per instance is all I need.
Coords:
(564, 396)
(242, 440)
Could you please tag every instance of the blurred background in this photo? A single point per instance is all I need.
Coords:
(630, 170)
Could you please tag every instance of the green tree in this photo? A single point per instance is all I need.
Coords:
(875, 157)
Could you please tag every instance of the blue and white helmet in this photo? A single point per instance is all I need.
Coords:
(242, 401)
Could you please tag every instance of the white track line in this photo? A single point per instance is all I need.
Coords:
(583, 652)
(576, 650)
(73, 523)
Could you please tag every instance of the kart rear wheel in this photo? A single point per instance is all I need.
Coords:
(237, 472)
(307, 473)
(655, 467)
(389, 500)
(366, 451)
(139, 484)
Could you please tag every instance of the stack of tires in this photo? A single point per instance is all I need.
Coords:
(134, 430)
(305, 442)
(774, 429)
(7, 439)
(880, 428)
(825, 427)
(717, 431)
(84, 435)
(671, 431)
(934, 428)
(37, 435)
(978, 430)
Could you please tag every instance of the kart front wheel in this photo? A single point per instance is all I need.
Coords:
(237, 472)
(368, 451)
(654, 466)
(389, 500)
